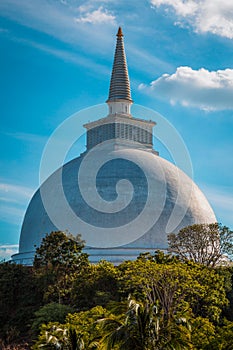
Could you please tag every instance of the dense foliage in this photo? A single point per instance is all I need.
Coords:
(156, 302)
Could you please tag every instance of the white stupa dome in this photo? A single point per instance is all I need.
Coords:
(120, 194)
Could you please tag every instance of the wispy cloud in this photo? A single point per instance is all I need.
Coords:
(11, 213)
(28, 137)
(7, 250)
(213, 16)
(14, 199)
(15, 190)
(4, 30)
(64, 55)
(81, 26)
(59, 20)
(69, 24)
(150, 62)
(222, 201)
(207, 90)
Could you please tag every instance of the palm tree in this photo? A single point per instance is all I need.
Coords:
(144, 328)
(62, 338)
(134, 331)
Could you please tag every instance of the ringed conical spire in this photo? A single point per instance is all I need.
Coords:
(120, 86)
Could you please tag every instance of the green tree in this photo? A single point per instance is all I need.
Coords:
(207, 244)
(19, 299)
(202, 333)
(178, 304)
(176, 286)
(97, 284)
(223, 339)
(57, 262)
(51, 312)
(159, 257)
(226, 272)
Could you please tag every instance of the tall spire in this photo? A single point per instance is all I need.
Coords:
(119, 99)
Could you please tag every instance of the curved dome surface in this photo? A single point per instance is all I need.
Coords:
(123, 201)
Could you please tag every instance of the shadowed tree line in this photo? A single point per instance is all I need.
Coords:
(179, 300)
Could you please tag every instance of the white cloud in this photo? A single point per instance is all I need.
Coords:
(207, 90)
(96, 16)
(7, 250)
(214, 16)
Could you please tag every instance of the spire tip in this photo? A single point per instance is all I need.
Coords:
(120, 85)
(119, 33)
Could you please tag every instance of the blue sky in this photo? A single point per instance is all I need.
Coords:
(56, 59)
